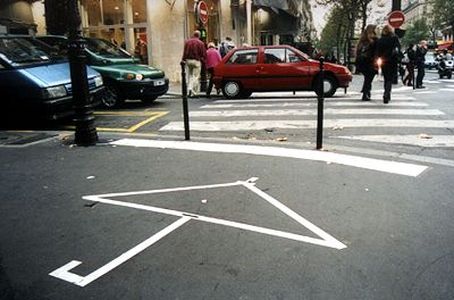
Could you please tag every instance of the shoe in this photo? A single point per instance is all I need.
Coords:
(365, 98)
(421, 87)
(386, 100)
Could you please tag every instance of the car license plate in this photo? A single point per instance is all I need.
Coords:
(159, 82)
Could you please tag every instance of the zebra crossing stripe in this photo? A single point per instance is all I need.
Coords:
(438, 141)
(306, 124)
(313, 112)
(307, 99)
(342, 159)
(327, 104)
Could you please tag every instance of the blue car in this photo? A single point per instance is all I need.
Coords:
(35, 79)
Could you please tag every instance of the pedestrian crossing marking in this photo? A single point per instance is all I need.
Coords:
(313, 112)
(307, 124)
(327, 104)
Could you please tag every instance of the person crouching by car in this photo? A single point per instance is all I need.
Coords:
(213, 58)
(388, 49)
(365, 55)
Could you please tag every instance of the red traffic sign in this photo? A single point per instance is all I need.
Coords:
(396, 18)
(202, 12)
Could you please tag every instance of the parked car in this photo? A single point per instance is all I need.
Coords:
(430, 61)
(123, 76)
(34, 79)
(275, 68)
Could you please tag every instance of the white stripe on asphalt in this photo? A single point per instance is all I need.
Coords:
(327, 104)
(415, 140)
(348, 160)
(447, 90)
(308, 124)
(426, 92)
(312, 99)
(313, 112)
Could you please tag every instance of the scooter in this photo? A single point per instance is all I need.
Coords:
(445, 68)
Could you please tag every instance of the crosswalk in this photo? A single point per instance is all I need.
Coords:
(405, 120)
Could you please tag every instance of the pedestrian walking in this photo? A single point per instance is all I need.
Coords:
(213, 58)
(420, 60)
(388, 50)
(226, 46)
(365, 56)
(194, 55)
(410, 66)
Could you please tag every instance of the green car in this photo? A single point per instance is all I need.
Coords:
(124, 78)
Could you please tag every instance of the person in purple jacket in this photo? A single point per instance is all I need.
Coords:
(213, 58)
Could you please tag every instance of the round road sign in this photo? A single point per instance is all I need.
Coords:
(202, 11)
(396, 19)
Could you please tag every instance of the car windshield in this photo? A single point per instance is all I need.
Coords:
(25, 51)
(106, 49)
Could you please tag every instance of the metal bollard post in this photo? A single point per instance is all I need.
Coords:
(320, 100)
(184, 92)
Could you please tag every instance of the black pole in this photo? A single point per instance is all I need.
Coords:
(184, 92)
(320, 99)
(396, 5)
(86, 134)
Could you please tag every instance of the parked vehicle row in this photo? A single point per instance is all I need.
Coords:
(35, 75)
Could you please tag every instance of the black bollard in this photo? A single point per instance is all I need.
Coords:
(320, 100)
(184, 92)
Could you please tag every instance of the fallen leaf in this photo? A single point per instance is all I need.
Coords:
(425, 136)
(281, 139)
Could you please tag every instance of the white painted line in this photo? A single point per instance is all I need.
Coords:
(357, 103)
(325, 239)
(65, 274)
(425, 92)
(306, 124)
(313, 99)
(419, 158)
(313, 112)
(354, 161)
(447, 89)
(439, 141)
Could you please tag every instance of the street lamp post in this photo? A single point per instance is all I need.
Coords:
(86, 134)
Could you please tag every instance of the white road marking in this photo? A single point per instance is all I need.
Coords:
(447, 89)
(65, 274)
(348, 160)
(433, 141)
(325, 239)
(306, 124)
(426, 92)
(311, 99)
(313, 112)
(327, 104)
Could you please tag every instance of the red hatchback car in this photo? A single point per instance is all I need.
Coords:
(275, 68)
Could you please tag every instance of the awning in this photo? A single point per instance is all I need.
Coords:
(289, 6)
(445, 46)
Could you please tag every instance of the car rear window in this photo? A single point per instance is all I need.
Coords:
(244, 57)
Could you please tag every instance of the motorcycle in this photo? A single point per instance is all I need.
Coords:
(445, 68)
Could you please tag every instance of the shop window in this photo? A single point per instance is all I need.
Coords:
(93, 10)
(113, 12)
(139, 11)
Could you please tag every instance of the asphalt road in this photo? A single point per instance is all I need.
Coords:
(165, 222)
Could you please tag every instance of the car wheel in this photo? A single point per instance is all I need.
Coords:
(329, 86)
(111, 97)
(149, 99)
(232, 90)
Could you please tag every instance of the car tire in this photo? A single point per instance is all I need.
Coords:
(111, 98)
(149, 99)
(329, 86)
(232, 90)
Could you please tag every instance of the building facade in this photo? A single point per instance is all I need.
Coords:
(164, 25)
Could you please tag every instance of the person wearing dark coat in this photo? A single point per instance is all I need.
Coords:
(388, 50)
(365, 59)
(420, 60)
(410, 74)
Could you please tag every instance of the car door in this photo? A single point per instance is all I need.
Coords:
(283, 69)
(241, 66)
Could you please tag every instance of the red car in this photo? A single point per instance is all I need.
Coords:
(275, 68)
